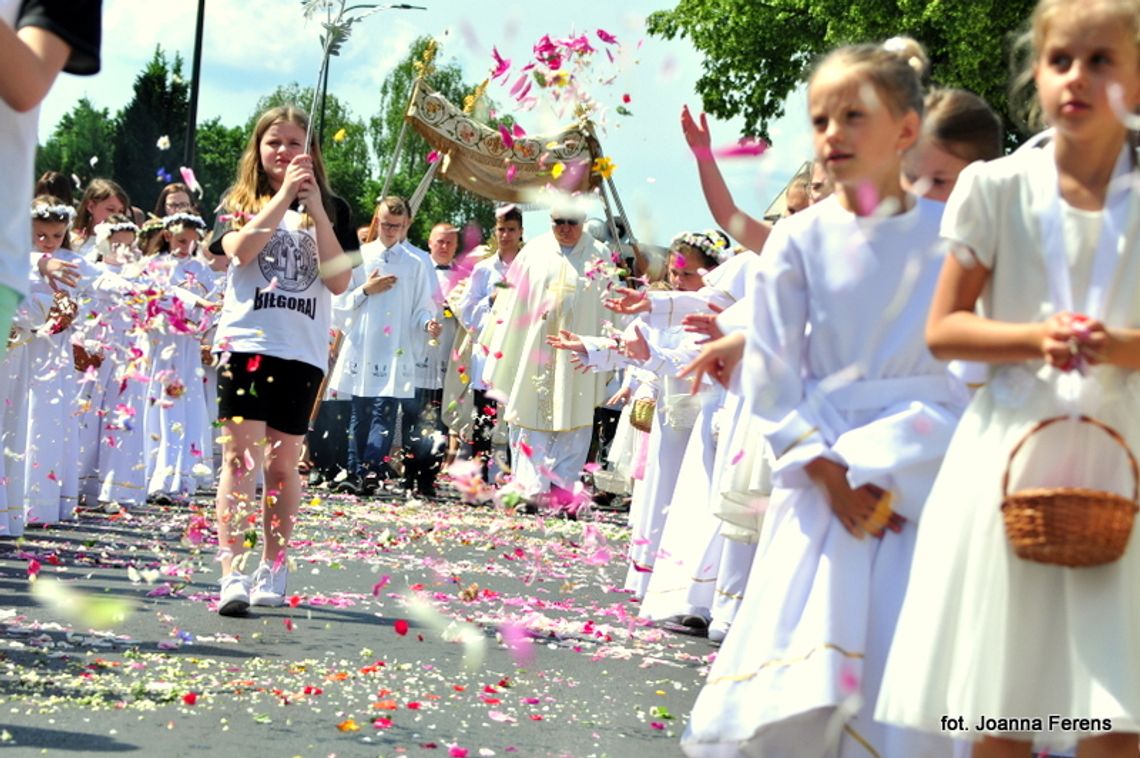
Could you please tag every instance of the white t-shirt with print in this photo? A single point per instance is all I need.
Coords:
(276, 304)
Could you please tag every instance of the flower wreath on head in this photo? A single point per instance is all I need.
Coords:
(105, 230)
(712, 242)
(177, 222)
(45, 212)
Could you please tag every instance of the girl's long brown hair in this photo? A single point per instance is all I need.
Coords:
(251, 190)
(97, 191)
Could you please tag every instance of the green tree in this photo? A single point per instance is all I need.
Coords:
(347, 161)
(84, 133)
(756, 53)
(159, 108)
(219, 148)
(444, 202)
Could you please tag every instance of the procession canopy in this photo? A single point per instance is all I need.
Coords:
(477, 158)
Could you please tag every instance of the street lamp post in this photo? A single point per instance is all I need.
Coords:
(192, 115)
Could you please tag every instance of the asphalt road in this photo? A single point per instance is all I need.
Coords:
(437, 629)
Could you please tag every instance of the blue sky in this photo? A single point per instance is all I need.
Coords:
(254, 45)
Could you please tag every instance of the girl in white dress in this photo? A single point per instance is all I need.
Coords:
(102, 199)
(51, 395)
(176, 420)
(663, 352)
(858, 414)
(112, 437)
(1042, 287)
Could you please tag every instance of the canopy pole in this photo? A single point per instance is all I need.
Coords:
(640, 264)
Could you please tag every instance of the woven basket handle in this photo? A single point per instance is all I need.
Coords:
(1115, 435)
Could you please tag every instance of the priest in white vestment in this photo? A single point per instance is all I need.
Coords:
(558, 281)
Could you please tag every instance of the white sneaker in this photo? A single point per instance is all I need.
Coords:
(269, 585)
(235, 594)
(718, 630)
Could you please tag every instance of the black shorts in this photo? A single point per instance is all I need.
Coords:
(263, 388)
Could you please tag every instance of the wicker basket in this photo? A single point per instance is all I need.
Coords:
(1069, 526)
(641, 415)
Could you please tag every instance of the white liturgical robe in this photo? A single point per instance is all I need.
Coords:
(547, 291)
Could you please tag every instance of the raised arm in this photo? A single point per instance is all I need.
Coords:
(750, 232)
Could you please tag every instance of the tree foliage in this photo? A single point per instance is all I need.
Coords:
(756, 52)
(444, 202)
(127, 145)
(82, 134)
(218, 148)
(159, 108)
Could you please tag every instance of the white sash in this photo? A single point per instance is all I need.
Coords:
(1110, 245)
(1109, 250)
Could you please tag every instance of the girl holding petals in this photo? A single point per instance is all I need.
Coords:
(1041, 286)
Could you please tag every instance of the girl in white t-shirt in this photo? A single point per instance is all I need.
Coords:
(285, 265)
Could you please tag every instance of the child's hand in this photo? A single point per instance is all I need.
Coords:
(704, 323)
(717, 359)
(637, 348)
(861, 511)
(1096, 342)
(621, 397)
(698, 137)
(1060, 344)
(58, 273)
(299, 178)
(628, 301)
(566, 340)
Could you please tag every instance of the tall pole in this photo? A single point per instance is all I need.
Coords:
(192, 115)
(321, 122)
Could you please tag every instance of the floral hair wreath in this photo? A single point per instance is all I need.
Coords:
(105, 229)
(712, 242)
(176, 222)
(45, 212)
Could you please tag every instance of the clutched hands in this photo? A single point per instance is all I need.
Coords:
(862, 511)
(1071, 341)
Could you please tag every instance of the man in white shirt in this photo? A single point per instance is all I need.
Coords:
(473, 308)
(389, 315)
(428, 443)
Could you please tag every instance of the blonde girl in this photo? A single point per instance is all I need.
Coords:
(285, 265)
(857, 413)
(1015, 654)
